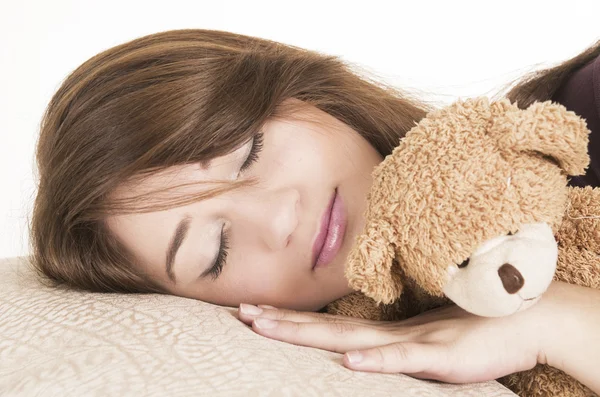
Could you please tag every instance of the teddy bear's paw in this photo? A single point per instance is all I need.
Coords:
(544, 380)
(581, 222)
(356, 305)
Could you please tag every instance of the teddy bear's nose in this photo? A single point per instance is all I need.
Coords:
(512, 280)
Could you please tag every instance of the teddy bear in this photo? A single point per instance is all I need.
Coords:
(473, 207)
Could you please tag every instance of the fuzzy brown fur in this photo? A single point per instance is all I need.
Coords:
(465, 174)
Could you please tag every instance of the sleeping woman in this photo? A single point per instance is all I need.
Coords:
(205, 164)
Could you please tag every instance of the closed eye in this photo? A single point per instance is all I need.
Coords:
(257, 145)
(215, 270)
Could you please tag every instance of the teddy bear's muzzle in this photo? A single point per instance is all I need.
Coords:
(505, 274)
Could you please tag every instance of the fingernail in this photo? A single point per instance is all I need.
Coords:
(250, 309)
(265, 323)
(267, 307)
(354, 357)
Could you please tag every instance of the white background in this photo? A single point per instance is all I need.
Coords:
(445, 49)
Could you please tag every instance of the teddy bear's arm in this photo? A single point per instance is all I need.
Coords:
(580, 226)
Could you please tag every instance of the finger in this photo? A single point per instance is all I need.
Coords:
(333, 336)
(247, 313)
(420, 359)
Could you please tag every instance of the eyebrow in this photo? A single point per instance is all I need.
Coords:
(176, 241)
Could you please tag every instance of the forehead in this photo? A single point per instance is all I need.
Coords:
(147, 233)
(150, 190)
(181, 179)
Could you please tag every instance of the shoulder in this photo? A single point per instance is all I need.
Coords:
(580, 93)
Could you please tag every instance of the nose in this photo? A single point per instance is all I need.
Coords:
(512, 279)
(273, 216)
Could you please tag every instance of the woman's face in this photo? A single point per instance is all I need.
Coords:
(305, 209)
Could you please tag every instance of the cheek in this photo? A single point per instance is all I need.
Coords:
(298, 150)
(257, 280)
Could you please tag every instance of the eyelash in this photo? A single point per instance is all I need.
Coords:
(215, 271)
(257, 145)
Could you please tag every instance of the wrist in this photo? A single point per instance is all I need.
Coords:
(570, 340)
(551, 323)
(564, 330)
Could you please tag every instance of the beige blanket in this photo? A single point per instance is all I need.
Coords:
(69, 343)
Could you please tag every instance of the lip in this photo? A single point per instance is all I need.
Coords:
(330, 233)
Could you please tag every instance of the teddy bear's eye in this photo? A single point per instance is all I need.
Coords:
(464, 264)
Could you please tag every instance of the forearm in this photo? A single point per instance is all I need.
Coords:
(572, 343)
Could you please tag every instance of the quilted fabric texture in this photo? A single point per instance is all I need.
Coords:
(56, 342)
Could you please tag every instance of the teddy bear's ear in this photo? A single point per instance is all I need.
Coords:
(370, 264)
(544, 127)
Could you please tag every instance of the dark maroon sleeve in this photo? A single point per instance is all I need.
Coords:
(581, 94)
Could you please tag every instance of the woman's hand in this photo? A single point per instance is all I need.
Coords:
(446, 344)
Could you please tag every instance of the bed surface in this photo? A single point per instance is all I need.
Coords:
(57, 342)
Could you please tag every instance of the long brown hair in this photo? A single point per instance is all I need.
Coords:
(181, 97)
